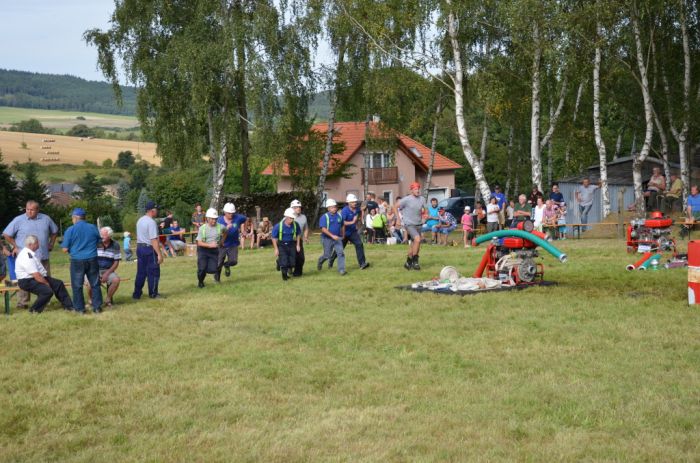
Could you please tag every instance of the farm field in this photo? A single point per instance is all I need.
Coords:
(71, 150)
(603, 366)
(64, 120)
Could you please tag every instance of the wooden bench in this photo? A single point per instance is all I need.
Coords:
(8, 291)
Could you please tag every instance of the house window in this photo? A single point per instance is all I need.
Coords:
(380, 160)
(387, 195)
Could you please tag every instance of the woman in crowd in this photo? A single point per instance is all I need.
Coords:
(538, 214)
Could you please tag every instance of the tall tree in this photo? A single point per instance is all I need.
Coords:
(9, 196)
(32, 188)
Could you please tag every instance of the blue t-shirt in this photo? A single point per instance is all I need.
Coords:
(172, 231)
(127, 242)
(289, 232)
(81, 240)
(556, 197)
(347, 214)
(501, 198)
(234, 231)
(42, 227)
(694, 203)
(333, 222)
(432, 212)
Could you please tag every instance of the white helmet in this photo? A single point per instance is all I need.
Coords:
(295, 203)
(229, 208)
(467, 208)
(290, 213)
(351, 198)
(212, 214)
(331, 202)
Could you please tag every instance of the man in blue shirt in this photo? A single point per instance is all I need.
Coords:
(148, 254)
(232, 222)
(331, 225)
(351, 216)
(81, 241)
(555, 195)
(432, 219)
(286, 239)
(694, 203)
(32, 222)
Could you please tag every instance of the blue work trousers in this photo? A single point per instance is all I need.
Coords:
(147, 268)
(79, 270)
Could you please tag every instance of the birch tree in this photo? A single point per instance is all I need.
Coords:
(599, 142)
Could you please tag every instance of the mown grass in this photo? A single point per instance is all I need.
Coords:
(57, 119)
(603, 366)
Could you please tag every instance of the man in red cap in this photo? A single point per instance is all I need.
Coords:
(412, 207)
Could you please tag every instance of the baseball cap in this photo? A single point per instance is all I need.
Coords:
(79, 212)
(151, 205)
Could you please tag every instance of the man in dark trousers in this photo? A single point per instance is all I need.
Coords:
(33, 278)
(286, 239)
(148, 253)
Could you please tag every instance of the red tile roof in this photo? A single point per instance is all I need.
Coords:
(352, 135)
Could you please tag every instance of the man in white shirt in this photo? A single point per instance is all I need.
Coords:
(33, 277)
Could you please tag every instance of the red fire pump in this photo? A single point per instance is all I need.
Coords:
(652, 234)
(511, 259)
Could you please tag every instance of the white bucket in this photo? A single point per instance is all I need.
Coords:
(449, 273)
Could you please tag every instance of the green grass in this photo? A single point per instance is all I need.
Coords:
(603, 366)
(64, 119)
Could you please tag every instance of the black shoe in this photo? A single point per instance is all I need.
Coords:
(319, 265)
(331, 261)
(408, 265)
(227, 271)
(296, 275)
(157, 296)
(277, 264)
(416, 265)
(68, 309)
(343, 273)
(364, 266)
(200, 284)
(284, 275)
(217, 278)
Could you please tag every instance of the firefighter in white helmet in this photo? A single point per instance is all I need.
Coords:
(228, 253)
(351, 216)
(210, 238)
(331, 225)
(286, 239)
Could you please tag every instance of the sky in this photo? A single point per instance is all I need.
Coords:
(47, 35)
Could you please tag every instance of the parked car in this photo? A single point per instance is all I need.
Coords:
(455, 205)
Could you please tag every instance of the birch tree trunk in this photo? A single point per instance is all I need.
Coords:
(618, 145)
(433, 146)
(639, 158)
(366, 177)
(328, 150)
(241, 103)
(535, 157)
(579, 92)
(599, 142)
(218, 152)
(482, 154)
(509, 161)
(459, 107)
(550, 152)
(681, 136)
(664, 148)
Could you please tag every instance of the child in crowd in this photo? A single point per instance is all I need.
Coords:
(561, 221)
(467, 226)
(126, 246)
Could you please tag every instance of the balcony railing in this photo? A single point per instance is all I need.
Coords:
(378, 176)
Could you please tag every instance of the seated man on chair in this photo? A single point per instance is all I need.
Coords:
(108, 257)
(33, 278)
(692, 212)
(176, 241)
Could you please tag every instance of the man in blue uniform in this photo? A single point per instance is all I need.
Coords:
(331, 225)
(228, 253)
(286, 239)
(81, 241)
(351, 216)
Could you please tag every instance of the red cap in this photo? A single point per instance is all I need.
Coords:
(415, 186)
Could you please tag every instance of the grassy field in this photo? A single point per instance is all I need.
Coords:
(71, 150)
(63, 120)
(604, 366)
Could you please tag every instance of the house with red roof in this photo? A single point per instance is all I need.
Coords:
(390, 170)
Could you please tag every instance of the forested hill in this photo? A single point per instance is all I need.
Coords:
(48, 91)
